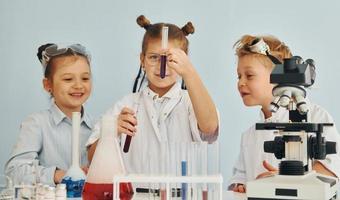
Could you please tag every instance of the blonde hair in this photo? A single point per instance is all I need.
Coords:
(277, 49)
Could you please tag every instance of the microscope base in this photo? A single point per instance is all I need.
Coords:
(311, 186)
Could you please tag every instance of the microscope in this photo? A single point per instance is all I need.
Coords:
(298, 144)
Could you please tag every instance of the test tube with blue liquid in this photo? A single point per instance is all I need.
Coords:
(184, 170)
(165, 31)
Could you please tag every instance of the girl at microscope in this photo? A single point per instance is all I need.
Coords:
(256, 55)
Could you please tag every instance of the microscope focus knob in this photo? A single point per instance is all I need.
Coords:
(277, 147)
(331, 148)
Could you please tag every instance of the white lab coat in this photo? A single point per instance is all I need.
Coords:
(249, 163)
(170, 118)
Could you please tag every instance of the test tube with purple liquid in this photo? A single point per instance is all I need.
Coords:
(129, 137)
(165, 31)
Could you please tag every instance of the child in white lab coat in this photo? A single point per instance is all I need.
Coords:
(45, 136)
(162, 112)
(254, 69)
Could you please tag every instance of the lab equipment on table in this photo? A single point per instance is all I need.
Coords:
(106, 163)
(299, 142)
(188, 171)
(6, 188)
(75, 177)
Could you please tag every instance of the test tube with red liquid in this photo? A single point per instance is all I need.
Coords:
(129, 137)
(165, 31)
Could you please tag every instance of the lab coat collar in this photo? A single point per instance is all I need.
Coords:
(174, 96)
(174, 92)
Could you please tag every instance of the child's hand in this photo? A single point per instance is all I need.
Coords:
(271, 170)
(179, 61)
(85, 169)
(239, 188)
(58, 175)
(127, 122)
(320, 168)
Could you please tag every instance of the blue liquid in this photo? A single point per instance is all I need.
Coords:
(184, 185)
(74, 188)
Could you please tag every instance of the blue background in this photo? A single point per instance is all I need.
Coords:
(108, 29)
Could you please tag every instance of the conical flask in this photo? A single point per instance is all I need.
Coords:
(107, 162)
(75, 177)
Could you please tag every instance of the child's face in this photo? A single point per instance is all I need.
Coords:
(254, 81)
(71, 82)
(151, 63)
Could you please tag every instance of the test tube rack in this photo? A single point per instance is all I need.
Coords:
(192, 181)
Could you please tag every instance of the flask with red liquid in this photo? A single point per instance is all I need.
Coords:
(106, 163)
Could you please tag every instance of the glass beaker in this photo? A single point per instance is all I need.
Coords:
(106, 163)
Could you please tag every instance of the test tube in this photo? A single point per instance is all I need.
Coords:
(213, 168)
(165, 31)
(164, 157)
(129, 137)
(204, 164)
(184, 170)
(194, 167)
(36, 172)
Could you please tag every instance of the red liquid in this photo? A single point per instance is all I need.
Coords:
(94, 191)
(205, 195)
(127, 144)
(163, 194)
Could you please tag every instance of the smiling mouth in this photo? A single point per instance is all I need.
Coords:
(77, 94)
(243, 94)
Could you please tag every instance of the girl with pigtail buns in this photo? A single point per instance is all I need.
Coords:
(161, 111)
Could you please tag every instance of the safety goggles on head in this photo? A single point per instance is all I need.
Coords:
(261, 47)
(55, 50)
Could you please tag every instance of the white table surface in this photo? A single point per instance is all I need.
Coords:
(227, 195)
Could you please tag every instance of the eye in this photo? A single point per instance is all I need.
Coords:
(250, 76)
(153, 57)
(67, 79)
(86, 78)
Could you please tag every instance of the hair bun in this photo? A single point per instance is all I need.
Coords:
(143, 22)
(42, 48)
(188, 29)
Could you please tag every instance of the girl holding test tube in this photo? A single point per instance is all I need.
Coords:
(162, 111)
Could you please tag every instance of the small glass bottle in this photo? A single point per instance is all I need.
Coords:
(50, 194)
(39, 193)
(60, 192)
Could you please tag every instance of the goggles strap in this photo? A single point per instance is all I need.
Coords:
(134, 89)
(273, 59)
